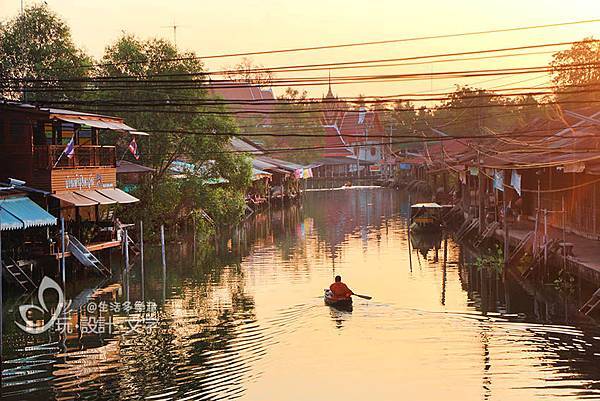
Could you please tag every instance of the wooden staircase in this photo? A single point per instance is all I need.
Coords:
(466, 228)
(552, 245)
(487, 233)
(133, 247)
(521, 248)
(591, 304)
(85, 257)
(451, 213)
(18, 275)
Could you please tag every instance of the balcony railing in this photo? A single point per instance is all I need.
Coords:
(47, 157)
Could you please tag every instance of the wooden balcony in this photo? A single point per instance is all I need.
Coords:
(48, 157)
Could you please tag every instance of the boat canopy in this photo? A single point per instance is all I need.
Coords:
(431, 205)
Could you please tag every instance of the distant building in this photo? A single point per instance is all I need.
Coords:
(248, 102)
(354, 136)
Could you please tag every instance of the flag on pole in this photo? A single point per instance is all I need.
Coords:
(133, 148)
(70, 149)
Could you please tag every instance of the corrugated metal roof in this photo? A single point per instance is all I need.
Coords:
(22, 212)
(127, 167)
(242, 145)
(8, 221)
(111, 125)
(257, 174)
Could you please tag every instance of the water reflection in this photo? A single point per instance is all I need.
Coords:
(245, 319)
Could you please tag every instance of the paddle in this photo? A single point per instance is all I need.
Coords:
(362, 296)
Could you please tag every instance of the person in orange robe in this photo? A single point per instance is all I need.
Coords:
(339, 289)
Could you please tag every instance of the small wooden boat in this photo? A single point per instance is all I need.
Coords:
(343, 303)
(425, 217)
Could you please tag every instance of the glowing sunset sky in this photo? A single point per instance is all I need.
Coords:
(217, 27)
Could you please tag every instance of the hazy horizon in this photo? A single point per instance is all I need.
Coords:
(272, 24)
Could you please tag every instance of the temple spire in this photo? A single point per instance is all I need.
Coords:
(329, 92)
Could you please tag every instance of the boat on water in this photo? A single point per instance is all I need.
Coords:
(339, 303)
(426, 217)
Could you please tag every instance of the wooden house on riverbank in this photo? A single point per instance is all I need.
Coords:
(536, 188)
(61, 154)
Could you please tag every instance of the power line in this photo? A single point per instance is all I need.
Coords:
(346, 64)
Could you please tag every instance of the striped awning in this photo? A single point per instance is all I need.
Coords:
(21, 212)
(75, 199)
(96, 196)
(118, 195)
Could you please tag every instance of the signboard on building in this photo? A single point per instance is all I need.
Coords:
(83, 179)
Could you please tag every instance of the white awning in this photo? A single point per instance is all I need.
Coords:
(118, 195)
(74, 199)
(95, 196)
(141, 133)
(427, 205)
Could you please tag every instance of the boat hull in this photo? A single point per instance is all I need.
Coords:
(343, 303)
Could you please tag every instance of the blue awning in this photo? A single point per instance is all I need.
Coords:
(21, 213)
(8, 221)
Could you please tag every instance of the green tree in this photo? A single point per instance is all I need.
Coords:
(578, 69)
(297, 114)
(158, 89)
(249, 72)
(37, 45)
(403, 122)
(471, 111)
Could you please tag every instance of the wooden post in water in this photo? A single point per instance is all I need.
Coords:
(62, 260)
(444, 270)
(537, 214)
(164, 259)
(408, 231)
(482, 192)
(126, 251)
(564, 235)
(1, 304)
(545, 240)
(506, 237)
(142, 256)
(194, 236)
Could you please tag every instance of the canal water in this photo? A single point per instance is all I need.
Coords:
(246, 320)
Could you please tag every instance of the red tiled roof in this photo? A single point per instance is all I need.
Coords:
(358, 125)
(334, 146)
(258, 100)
